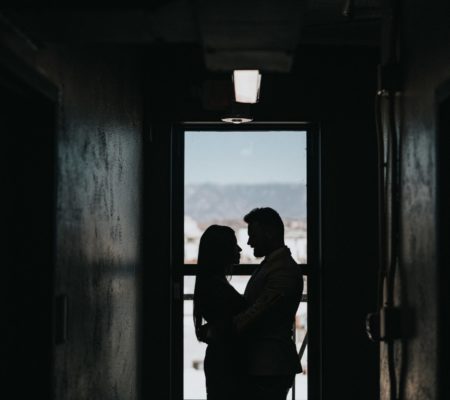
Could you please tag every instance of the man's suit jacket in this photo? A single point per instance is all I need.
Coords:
(273, 293)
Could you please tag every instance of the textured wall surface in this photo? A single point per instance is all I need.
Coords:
(425, 53)
(98, 222)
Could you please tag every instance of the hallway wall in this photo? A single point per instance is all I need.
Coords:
(96, 233)
(98, 246)
(425, 60)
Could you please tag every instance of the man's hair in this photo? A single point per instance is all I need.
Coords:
(268, 218)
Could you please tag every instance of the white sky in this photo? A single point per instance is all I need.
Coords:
(245, 157)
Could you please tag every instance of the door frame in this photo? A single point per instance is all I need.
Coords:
(313, 269)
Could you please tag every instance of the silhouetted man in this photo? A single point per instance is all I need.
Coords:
(273, 294)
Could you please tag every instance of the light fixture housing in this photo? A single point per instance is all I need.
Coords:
(237, 120)
(239, 113)
(247, 83)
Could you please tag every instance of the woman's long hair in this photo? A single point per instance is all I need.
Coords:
(215, 257)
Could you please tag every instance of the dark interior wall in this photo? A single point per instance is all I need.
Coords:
(99, 210)
(74, 203)
(425, 60)
(157, 343)
(27, 124)
(349, 221)
(340, 99)
(92, 254)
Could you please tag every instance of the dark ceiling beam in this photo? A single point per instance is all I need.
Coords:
(138, 26)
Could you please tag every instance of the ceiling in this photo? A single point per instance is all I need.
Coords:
(232, 34)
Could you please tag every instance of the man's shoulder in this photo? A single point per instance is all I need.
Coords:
(281, 256)
(284, 262)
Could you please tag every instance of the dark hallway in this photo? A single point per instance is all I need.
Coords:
(95, 106)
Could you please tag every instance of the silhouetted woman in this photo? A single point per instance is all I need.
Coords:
(216, 301)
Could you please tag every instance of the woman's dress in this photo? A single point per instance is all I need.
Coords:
(219, 302)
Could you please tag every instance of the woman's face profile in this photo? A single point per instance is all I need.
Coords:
(218, 245)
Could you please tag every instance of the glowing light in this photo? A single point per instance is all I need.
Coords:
(246, 85)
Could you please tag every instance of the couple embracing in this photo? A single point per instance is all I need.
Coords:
(250, 352)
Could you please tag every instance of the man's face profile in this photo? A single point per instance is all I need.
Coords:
(257, 239)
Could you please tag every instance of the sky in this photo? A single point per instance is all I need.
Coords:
(245, 157)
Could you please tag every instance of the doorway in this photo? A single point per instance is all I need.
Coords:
(220, 174)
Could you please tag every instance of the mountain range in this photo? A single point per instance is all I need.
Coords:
(212, 202)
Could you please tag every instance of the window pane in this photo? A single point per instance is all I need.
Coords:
(301, 380)
(239, 282)
(194, 353)
(227, 174)
(189, 284)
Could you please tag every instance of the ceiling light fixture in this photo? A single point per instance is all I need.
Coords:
(239, 113)
(237, 120)
(246, 85)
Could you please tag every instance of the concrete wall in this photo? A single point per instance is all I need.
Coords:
(98, 233)
(97, 237)
(425, 60)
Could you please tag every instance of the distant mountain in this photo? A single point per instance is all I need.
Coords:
(209, 202)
